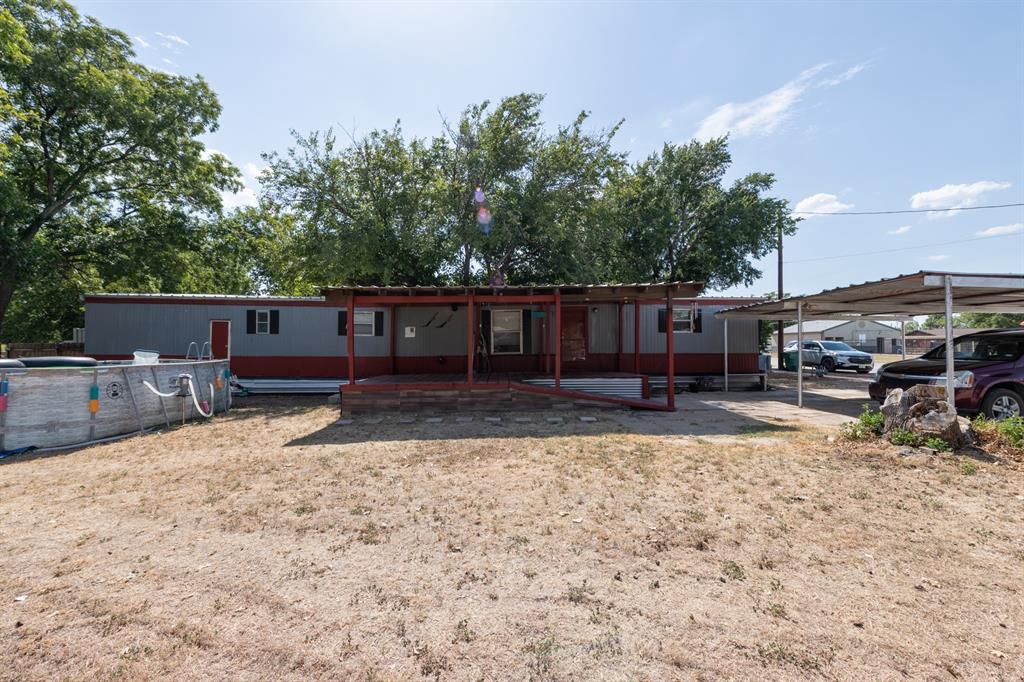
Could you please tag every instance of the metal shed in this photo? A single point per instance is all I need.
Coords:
(899, 298)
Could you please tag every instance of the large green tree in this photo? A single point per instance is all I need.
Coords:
(101, 160)
(675, 218)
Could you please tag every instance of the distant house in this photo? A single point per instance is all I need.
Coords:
(921, 341)
(866, 335)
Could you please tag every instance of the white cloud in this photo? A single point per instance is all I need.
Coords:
(938, 257)
(954, 196)
(254, 171)
(901, 230)
(844, 76)
(172, 38)
(245, 197)
(1001, 230)
(667, 123)
(820, 203)
(763, 115)
(168, 61)
(141, 41)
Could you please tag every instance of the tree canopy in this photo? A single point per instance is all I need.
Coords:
(105, 184)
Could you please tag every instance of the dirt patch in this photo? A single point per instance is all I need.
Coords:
(277, 544)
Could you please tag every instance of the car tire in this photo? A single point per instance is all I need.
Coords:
(1001, 403)
(828, 365)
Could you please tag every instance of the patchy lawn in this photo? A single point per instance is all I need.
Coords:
(274, 544)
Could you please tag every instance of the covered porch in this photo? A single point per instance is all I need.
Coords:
(522, 343)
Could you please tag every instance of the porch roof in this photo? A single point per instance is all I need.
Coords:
(568, 292)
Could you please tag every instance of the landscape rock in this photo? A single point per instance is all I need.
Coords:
(334, 399)
(923, 410)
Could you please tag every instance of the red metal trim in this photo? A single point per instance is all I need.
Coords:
(440, 386)
(470, 338)
(390, 338)
(377, 301)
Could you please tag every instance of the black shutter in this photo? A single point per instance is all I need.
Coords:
(250, 321)
(527, 331)
(342, 323)
(275, 321)
(485, 327)
(378, 323)
(661, 320)
(698, 320)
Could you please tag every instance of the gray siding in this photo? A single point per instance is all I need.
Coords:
(305, 331)
(743, 337)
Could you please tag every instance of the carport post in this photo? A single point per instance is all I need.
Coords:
(903, 338)
(670, 351)
(725, 354)
(350, 337)
(799, 353)
(950, 379)
(558, 339)
(470, 338)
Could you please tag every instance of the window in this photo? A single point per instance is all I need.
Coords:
(506, 332)
(684, 319)
(262, 321)
(363, 324)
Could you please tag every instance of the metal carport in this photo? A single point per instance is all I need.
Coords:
(897, 298)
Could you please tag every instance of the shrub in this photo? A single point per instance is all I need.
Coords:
(968, 467)
(904, 437)
(937, 444)
(868, 425)
(1009, 431)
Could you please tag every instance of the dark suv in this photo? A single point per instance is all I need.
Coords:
(988, 371)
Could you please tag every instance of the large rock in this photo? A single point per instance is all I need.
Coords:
(923, 410)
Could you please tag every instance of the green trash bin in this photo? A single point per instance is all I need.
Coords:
(789, 360)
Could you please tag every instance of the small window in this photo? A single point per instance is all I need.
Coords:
(262, 321)
(363, 324)
(506, 332)
(683, 319)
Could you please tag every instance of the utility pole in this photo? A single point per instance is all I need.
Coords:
(782, 324)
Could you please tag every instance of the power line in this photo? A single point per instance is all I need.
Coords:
(909, 210)
(903, 248)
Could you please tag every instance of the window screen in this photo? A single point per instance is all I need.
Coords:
(506, 331)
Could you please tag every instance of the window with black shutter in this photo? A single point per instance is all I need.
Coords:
(262, 321)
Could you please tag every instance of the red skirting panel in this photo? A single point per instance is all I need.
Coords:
(316, 367)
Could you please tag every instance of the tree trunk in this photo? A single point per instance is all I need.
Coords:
(6, 294)
(466, 258)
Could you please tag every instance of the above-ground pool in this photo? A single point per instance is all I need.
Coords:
(45, 407)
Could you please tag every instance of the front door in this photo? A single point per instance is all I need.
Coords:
(220, 339)
(880, 344)
(574, 334)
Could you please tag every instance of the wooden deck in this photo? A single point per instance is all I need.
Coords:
(493, 378)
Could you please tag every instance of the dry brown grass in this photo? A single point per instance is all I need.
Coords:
(273, 544)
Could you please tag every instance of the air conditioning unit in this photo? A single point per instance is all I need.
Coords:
(78, 335)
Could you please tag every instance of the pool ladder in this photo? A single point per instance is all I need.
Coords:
(204, 353)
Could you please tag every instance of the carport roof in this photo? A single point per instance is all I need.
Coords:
(922, 293)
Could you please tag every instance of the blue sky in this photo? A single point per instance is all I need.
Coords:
(857, 107)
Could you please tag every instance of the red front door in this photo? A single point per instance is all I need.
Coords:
(220, 339)
(574, 334)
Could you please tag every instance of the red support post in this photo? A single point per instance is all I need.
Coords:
(558, 339)
(470, 339)
(618, 346)
(636, 336)
(391, 339)
(547, 338)
(350, 339)
(670, 352)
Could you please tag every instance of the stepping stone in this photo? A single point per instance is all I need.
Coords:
(464, 419)
(523, 420)
(407, 420)
(555, 420)
(343, 422)
(434, 420)
(492, 420)
(373, 420)
(588, 420)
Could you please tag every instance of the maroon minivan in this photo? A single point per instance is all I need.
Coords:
(988, 373)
